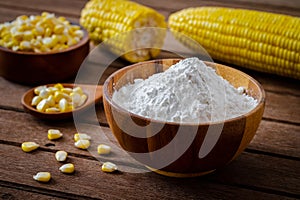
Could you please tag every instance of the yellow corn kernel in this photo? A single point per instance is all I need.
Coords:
(43, 105)
(61, 156)
(103, 149)
(24, 45)
(42, 176)
(81, 136)
(29, 146)
(58, 95)
(59, 86)
(109, 167)
(52, 110)
(36, 100)
(82, 144)
(67, 90)
(83, 99)
(67, 168)
(63, 105)
(76, 98)
(52, 90)
(78, 90)
(38, 89)
(44, 93)
(51, 100)
(54, 134)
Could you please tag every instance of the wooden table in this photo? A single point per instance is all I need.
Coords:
(268, 169)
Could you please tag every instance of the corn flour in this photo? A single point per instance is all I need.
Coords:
(188, 91)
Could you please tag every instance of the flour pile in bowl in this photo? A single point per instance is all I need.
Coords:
(188, 91)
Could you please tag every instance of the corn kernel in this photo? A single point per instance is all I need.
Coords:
(59, 86)
(103, 149)
(67, 168)
(82, 144)
(78, 90)
(61, 156)
(58, 95)
(109, 167)
(42, 176)
(51, 100)
(54, 134)
(43, 105)
(44, 93)
(52, 110)
(67, 90)
(63, 105)
(76, 98)
(35, 100)
(81, 136)
(82, 100)
(29, 146)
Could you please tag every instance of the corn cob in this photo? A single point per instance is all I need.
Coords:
(106, 19)
(262, 41)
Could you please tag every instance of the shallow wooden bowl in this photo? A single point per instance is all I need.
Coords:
(154, 142)
(40, 68)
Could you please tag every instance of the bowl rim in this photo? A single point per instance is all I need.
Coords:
(106, 97)
(82, 42)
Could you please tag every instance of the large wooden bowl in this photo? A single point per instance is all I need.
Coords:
(40, 68)
(146, 139)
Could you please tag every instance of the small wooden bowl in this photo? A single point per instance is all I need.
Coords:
(152, 142)
(40, 68)
(93, 92)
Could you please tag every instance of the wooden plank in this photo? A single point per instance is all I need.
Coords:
(282, 107)
(277, 138)
(271, 136)
(37, 132)
(88, 180)
(68, 8)
(12, 193)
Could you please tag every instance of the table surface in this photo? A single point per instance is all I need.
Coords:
(269, 168)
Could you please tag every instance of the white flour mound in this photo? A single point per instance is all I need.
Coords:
(188, 91)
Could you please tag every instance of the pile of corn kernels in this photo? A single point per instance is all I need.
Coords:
(58, 98)
(40, 33)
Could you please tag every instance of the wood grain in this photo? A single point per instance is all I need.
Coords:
(131, 185)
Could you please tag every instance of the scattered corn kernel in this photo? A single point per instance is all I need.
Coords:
(61, 156)
(67, 168)
(42, 176)
(109, 167)
(29, 146)
(103, 149)
(81, 136)
(57, 98)
(41, 33)
(54, 134)
(82, 144)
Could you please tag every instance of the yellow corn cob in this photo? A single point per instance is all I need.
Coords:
(116, 20)
(258, 40)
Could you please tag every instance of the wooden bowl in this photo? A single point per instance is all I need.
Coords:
(152, 142)
(93, 92)
(41, 68)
